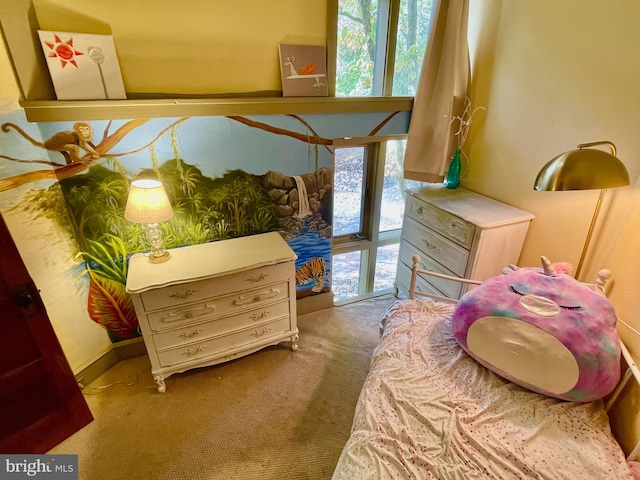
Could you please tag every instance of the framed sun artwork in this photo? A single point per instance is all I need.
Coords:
(304, 70)
(82, 66)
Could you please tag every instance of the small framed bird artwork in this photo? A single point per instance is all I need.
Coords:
(304, 70)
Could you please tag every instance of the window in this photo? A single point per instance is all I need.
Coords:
(377, 51)
(379, 46)
(367, 215)
(350, 174)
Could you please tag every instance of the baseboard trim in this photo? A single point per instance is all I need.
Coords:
(314, 302)
(119, 351)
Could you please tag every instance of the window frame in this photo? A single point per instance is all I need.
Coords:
(369, 173)
(386, 27)
(372, 239)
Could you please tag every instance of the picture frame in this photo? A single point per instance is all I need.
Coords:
(82, 66)
(304, 70)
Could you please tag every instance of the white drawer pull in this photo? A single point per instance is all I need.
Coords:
(259, 333)
(188, 314)
(256, 297)
(185, 294)
(430, 246)
(193, 333)
(192, 351)
(256, 315)
(257, 278)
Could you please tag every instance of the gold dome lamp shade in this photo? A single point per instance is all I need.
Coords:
(585, 168)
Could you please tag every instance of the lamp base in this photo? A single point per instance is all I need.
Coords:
(153, 258)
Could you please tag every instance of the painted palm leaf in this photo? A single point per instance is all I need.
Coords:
(110, 306)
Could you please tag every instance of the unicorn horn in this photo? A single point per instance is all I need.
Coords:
(546, 266)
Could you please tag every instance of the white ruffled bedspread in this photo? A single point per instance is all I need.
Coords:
(429, 411)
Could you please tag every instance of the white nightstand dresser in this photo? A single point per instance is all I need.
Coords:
(459, 233)
(214, 302)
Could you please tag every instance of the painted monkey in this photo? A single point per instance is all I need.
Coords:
(67, 143)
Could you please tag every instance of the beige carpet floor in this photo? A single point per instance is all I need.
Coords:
(275, 414)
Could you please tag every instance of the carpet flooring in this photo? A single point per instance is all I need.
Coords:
(275, 414)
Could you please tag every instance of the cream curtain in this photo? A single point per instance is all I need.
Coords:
(442, 89)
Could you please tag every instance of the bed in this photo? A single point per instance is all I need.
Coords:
(428, 410)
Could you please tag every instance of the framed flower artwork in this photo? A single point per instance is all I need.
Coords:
(82, 66)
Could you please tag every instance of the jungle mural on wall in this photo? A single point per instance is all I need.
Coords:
(225, 176)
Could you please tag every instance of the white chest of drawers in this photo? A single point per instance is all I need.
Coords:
(460, 233)
(214, 302)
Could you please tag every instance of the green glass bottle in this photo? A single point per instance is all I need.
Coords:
(453, 174)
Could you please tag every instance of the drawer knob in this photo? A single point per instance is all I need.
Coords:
(192, 351)
(257, 278)
(430, 246)
(179, 315)
(256, 297)
(193, 333)
(259, 333)
(256, 315)
(185, 294)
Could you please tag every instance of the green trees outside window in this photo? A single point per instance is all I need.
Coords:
(380, 46)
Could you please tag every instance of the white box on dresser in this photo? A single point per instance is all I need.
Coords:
(460, 233)
(214, 302)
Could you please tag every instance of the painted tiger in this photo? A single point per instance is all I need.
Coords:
(314, 269)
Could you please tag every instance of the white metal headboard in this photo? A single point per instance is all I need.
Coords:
(632, 371)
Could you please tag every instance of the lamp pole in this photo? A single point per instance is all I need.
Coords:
(587, 241)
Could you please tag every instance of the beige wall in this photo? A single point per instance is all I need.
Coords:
(193, 46)
(552, 75)
(9, 91)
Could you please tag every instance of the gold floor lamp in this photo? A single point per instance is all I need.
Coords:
(584, 169)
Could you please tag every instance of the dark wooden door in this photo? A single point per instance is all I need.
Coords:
(40, 401)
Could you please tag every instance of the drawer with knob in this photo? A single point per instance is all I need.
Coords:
(404, 280)
(220, 325)
(444, 251)
(222, 345)
(203, 289)
(228, 304)
(449, 226)
(447, 287)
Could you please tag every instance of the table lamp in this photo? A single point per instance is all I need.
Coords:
(148, 204)
(584, 169)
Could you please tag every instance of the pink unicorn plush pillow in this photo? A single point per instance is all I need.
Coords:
(544, 330)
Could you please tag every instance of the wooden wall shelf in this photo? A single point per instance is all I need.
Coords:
(59, 110)
(19, 24)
